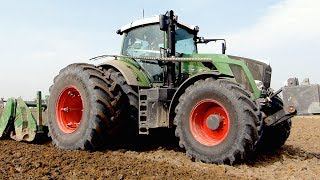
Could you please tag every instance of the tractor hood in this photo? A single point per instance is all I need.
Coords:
(252, 74)
(260, 70)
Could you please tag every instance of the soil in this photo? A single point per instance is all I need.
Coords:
(156, 158)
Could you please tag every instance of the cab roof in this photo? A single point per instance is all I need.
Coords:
(146, 21)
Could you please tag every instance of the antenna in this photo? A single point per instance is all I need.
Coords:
(143, 13)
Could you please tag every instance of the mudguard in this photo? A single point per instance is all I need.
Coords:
(133, 75)
(187, 83)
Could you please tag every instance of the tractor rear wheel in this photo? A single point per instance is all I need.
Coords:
(85, 107)
(216, 122)
(129, 127)
(273, 137)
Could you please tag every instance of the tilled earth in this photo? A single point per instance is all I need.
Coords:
(157, 158)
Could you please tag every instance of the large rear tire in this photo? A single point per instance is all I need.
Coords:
(85, 107)
(273, 137)
(130, 127)
(216, 122)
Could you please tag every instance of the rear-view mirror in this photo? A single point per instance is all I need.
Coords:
(163, 19)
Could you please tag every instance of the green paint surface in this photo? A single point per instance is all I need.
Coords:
(8, 114)
(222, 63)
(25, 125)
(141, 76)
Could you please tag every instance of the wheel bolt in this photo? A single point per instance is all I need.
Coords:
(71, 93)
(65, 109)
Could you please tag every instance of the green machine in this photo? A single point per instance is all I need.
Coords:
(221, 107)
(216, 103)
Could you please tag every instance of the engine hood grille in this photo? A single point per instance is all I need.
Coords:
(259, 70)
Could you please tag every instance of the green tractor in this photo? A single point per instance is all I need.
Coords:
(221, 107)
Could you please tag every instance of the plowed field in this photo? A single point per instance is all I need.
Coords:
(156, 158)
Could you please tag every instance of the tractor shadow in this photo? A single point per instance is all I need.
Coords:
(165, 139)
(280, 156)
(157, 139)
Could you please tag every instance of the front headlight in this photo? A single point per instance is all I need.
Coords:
(259, 84)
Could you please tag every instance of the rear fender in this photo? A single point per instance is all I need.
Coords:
(133, 75)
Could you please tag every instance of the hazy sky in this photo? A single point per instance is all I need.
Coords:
(39, 37)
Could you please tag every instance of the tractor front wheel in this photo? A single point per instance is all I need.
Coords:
(273, 137)
(216, 122)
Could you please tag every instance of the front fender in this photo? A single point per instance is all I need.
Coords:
(187, 83)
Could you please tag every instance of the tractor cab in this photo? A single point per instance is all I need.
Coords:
(145, 38)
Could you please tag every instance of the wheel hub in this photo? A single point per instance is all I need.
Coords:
(213, 122)
(209, 122)
(69, 110)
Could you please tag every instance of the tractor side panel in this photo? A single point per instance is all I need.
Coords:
(236, 68)
(133, 75)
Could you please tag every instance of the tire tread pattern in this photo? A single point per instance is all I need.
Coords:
(107, 92)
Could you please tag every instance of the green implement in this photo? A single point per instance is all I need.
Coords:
(22, 120)
(7, 116)
(25, 125)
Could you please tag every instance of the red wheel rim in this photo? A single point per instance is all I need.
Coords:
(69, 109)
(198, 122)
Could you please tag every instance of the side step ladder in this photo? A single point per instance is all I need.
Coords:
(143, 112)
(154, 108)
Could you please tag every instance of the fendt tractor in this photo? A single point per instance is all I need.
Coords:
(221, 106)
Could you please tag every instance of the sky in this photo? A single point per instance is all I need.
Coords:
(40, 37)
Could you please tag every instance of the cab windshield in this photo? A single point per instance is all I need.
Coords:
(148, 40)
